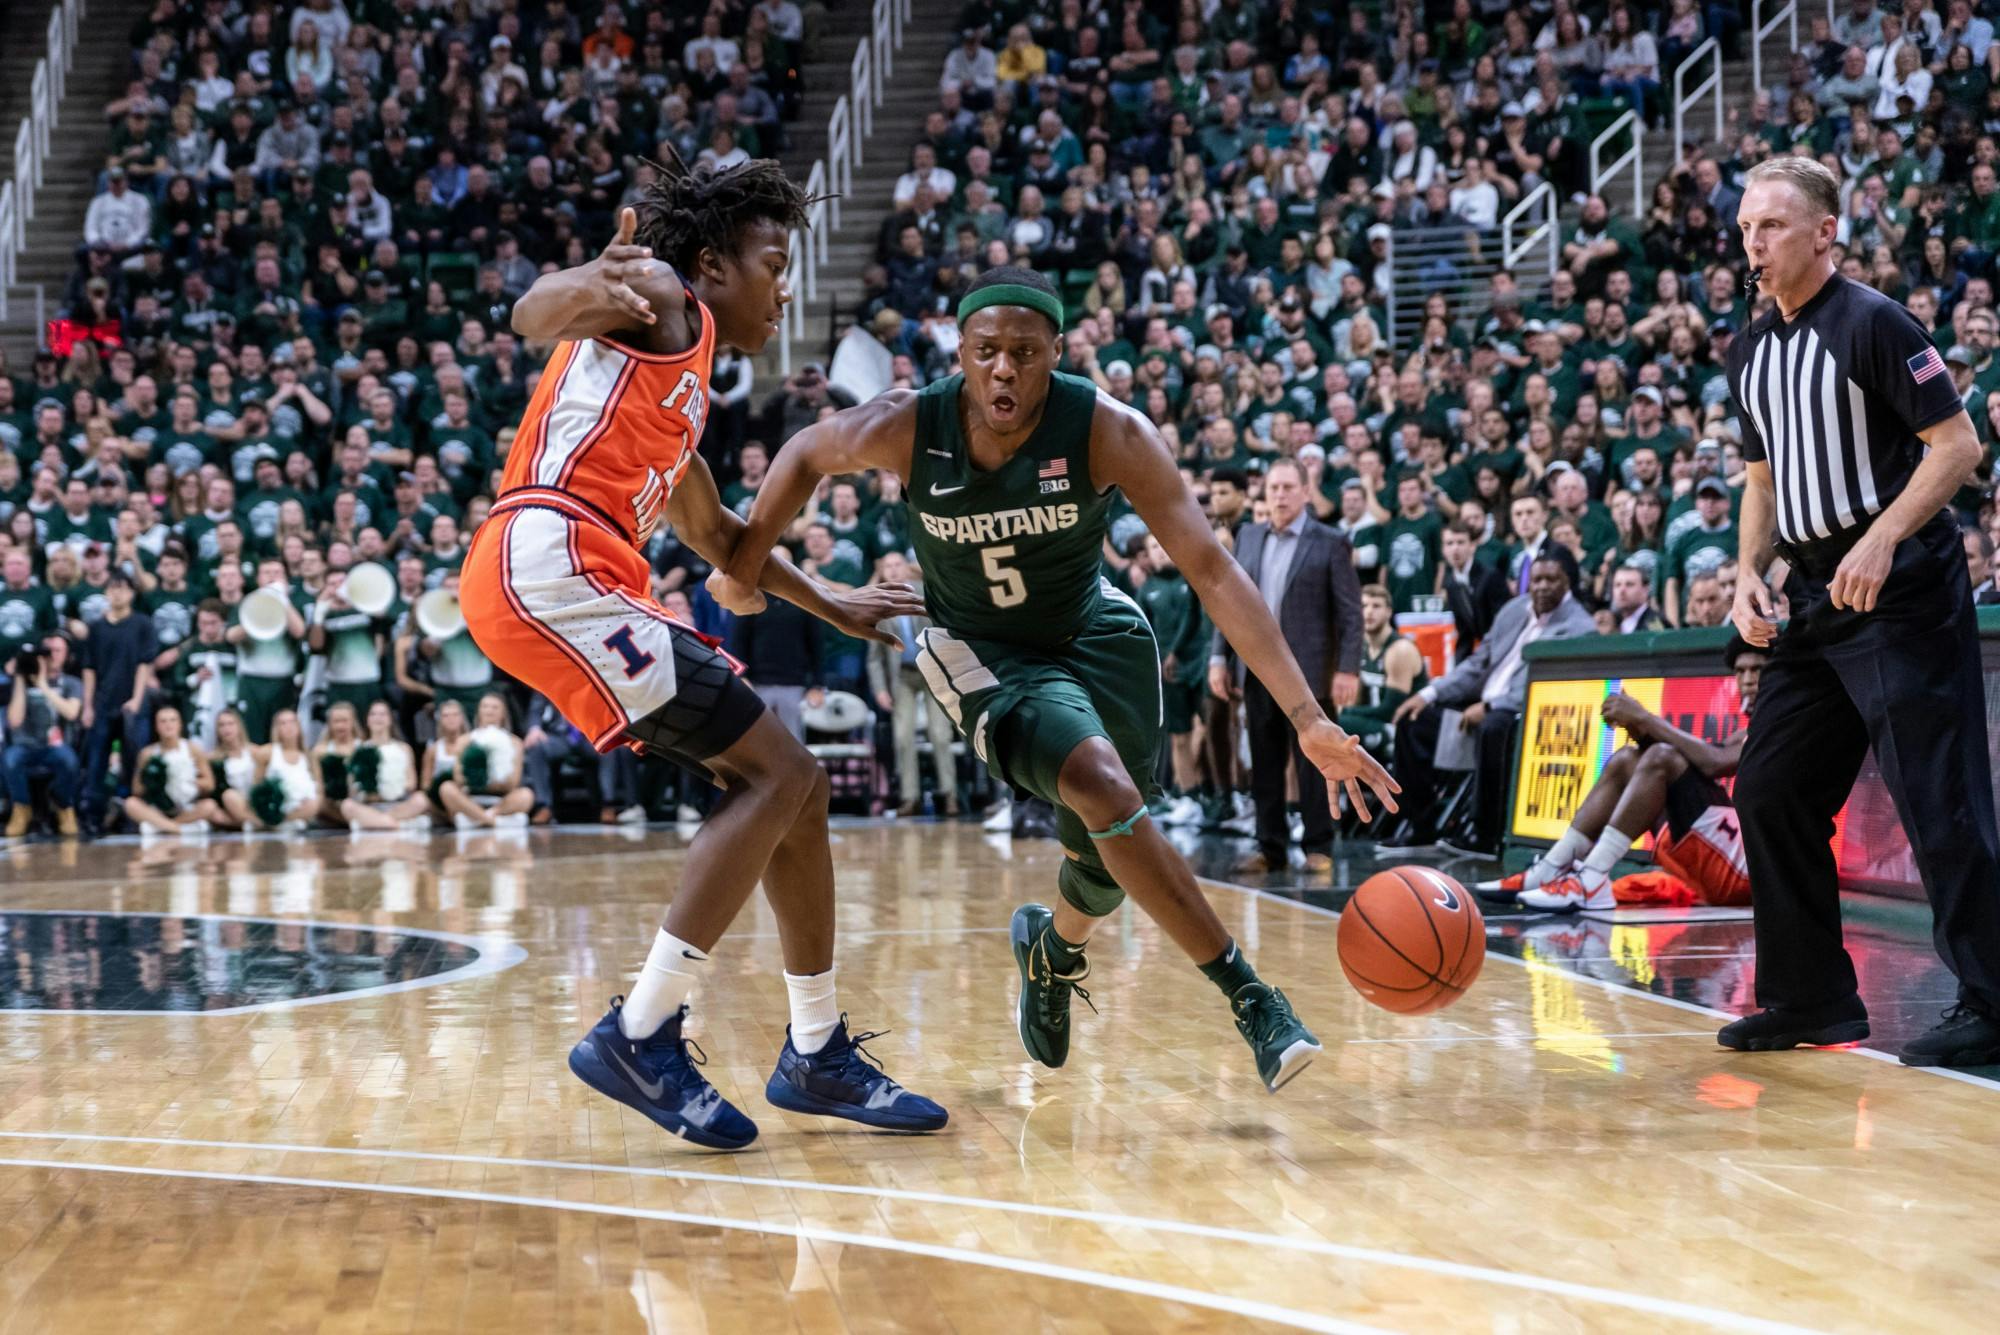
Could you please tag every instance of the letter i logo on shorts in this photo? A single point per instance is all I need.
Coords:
(622, 643)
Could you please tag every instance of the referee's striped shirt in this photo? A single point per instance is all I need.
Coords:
(1833, 400)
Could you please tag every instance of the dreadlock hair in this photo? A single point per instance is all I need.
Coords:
(685, 210)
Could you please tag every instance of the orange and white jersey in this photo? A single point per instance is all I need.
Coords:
(614, 428)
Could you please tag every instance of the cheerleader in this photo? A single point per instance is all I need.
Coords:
(233, 766)
(174, 783)
(330, 758)
(382, 778)
(286, 796)
(475, 777)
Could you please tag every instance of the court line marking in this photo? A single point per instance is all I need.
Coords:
(1560, 1288)
(496, 954)
(1620, 989)
(1535, 1038)
(1144, 1288)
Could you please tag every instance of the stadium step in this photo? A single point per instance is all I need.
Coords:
(76, 153)
(909, 93)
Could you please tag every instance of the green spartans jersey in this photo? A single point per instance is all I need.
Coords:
(351, 655)
(25, 616)
(275, 658)
(220, 657)
(1011, 554)
(172, 613)
(461, 665)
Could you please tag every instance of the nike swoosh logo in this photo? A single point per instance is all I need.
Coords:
(936, 490)
(690, 955)
(655, 1089)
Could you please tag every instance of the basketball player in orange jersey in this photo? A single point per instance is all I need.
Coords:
(557, 593)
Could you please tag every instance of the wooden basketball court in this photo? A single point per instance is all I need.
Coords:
(373, 1128)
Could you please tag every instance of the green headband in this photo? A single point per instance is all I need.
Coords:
(1012, 294)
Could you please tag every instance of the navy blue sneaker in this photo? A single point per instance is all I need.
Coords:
(842, 1080)
(658, 1077)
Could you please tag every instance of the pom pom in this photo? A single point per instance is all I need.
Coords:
(364, 767)
(475, 769)
(333, 776)
(267, 800)
(153, 785)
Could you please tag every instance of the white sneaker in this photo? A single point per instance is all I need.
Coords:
(634, 815)
(1000, 820)
(1242, 806)
(513, 820)
(195, 828)
(1245, 824)
(1571, 894)
(418, 825)
(1297, 828)
(463, 822)
(1185, 811)
(294, 826)
(687, 815)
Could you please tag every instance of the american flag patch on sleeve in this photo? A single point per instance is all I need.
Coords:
(1925, 365)
(1055, 468)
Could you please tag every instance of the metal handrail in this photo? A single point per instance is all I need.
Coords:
(861, 89)
(1630, 157)
(839, 155)
(33, 142)
(851, 121)
(1542, 228)
(1760, 28)
(1711, 85)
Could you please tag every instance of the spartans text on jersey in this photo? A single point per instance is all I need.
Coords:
(1000, 525)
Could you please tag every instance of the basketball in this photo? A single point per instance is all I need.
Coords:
(1411, 940)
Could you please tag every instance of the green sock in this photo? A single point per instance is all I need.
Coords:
(1229, 971)
(1063, 955)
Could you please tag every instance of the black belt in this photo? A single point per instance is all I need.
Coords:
(1820, 557)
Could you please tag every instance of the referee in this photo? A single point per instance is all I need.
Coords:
(1840, 391)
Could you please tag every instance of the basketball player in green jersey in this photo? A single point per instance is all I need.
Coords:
(1051, 674)
(1392, 669)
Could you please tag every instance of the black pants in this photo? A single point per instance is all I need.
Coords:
(1905, 679)
(1272, 742)
(1416, 770)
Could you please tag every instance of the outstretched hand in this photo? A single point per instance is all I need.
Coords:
(1339, 757)
(859, 612)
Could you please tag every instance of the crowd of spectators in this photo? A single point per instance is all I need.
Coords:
(285, 352)
(286, 347)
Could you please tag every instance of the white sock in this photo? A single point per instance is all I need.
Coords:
(815, 1012)
(1611, 846)
(672, 969)
(1557, 860)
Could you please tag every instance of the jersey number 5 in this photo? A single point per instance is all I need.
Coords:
(1007, 588)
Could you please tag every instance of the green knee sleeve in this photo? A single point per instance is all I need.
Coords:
(1089, 889)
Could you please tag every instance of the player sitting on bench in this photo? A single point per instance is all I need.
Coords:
(1662, 772)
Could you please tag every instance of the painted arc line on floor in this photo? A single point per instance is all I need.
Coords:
(1250, 1308)
(496, 955)
(1616, 989)
(1559, 1288)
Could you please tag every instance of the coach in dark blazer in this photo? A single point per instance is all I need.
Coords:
(1305, 571)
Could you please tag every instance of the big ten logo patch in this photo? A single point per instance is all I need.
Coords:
(690, 400)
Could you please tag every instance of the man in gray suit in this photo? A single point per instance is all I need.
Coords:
(899, 688)
(1490, 689)
(1305, 571)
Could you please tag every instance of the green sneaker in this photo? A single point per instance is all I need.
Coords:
(1041, 1012)
(1284, 1047)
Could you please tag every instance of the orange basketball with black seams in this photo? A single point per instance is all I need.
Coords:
(1411, 940)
